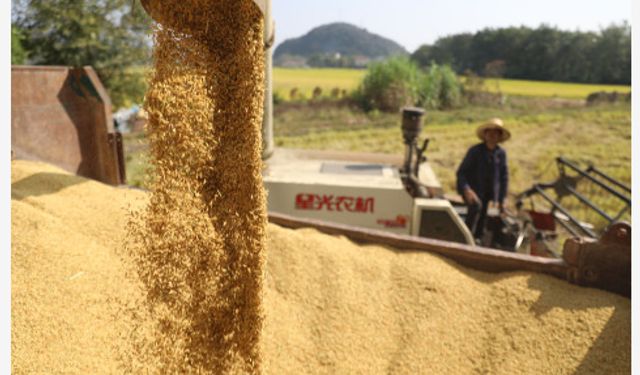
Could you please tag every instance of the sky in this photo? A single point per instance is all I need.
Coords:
(412, 23)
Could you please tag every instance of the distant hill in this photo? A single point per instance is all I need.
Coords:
(336, 44)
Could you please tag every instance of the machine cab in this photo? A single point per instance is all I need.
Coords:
(437, 219)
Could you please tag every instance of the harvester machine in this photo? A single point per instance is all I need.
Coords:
(404, 196)
(401, 196)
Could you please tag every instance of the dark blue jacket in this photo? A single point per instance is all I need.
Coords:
(475, 168)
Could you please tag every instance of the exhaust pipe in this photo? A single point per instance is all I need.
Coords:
(411, 128)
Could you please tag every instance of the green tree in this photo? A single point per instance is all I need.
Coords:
(544, 53)
(451, 50)
(423, 56)
(573, 61)
(611, 55)
(110, 35)
(539, 53)
(18, 54)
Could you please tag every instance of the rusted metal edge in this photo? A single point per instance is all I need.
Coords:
(478, 258)
(102, 92)
(122, 167)
(115, 140)
(39, 67)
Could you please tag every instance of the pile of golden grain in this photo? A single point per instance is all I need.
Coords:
(198, 245)
(331, 306)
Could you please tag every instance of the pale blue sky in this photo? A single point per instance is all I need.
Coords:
(415, 22)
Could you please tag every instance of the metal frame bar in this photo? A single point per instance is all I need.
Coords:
(608, 178)
(586, 201)
(608, 188)
(619, 215)
(568, 227)
(562, 162)
(557, 206)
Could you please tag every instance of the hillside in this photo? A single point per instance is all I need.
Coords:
(344, 39)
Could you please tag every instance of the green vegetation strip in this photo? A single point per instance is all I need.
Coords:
(305, 80)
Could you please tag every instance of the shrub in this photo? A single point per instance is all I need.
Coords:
(450, 88)
(317, 93)
(440, 88)
(277, 98)
(293, 94)
(389, 85)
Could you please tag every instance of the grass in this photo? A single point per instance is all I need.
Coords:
(136, 160)
(305, 80)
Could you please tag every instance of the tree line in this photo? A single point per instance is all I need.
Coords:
(544, 53)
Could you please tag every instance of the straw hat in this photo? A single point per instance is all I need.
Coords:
(494, 123)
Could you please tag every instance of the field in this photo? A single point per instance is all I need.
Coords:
(305, 80)
(549, 89)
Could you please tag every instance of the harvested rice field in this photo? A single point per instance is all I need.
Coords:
(330, 306)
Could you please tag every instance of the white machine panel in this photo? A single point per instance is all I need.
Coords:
(366, 195)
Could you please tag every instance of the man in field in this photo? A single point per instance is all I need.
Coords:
(483, 176)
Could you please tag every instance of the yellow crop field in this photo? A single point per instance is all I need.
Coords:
(549, 89)
(305, 80)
